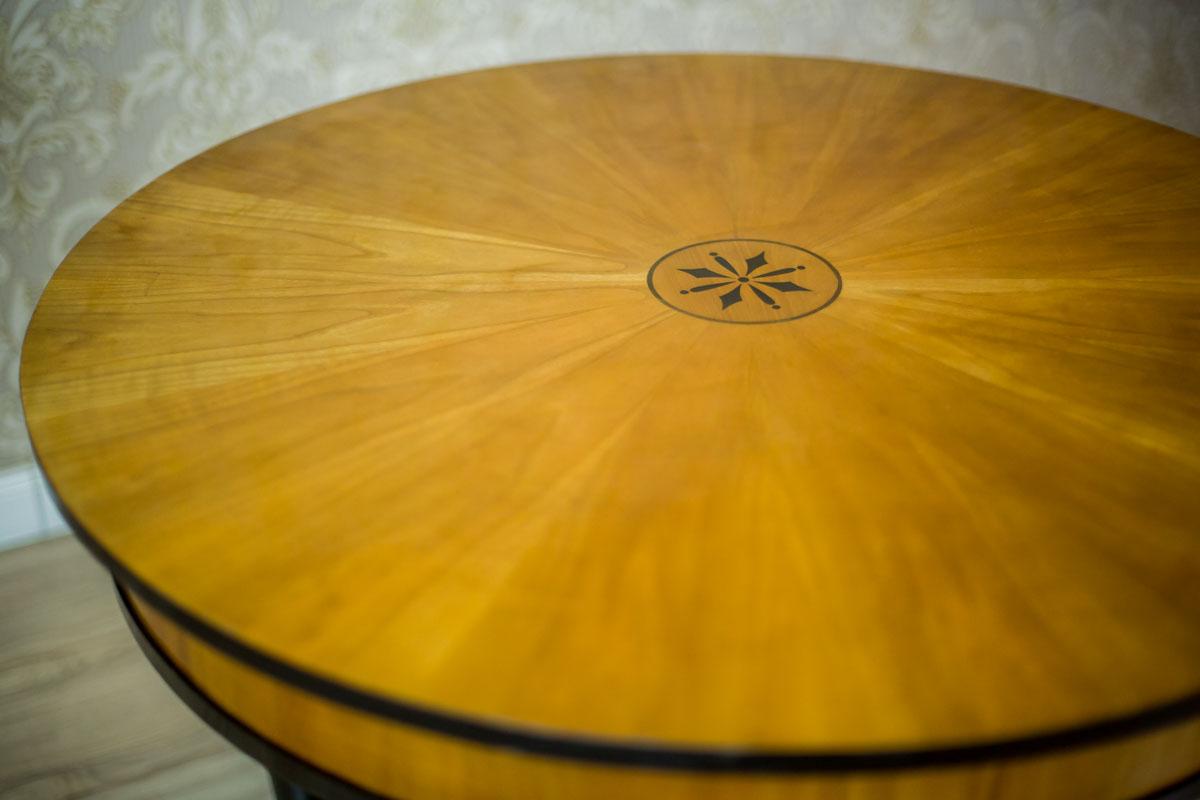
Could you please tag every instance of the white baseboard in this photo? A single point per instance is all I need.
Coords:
(26, 511)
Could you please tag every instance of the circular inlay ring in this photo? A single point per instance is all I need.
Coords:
(745, 281)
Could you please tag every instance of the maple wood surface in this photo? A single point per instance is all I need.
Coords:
(728, 404)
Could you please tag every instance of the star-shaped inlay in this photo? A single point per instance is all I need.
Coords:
(747, 280)
(779, 282)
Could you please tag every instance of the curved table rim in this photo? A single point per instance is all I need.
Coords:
(638, 754)
(294, 769)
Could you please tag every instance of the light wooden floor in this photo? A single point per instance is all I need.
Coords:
(82, 715)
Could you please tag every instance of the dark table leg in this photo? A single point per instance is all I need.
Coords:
(289, 791)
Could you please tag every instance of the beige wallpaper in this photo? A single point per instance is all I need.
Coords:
(99, 96)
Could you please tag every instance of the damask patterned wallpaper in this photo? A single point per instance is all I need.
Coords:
(99, 96)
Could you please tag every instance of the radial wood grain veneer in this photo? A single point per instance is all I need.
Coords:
(416, 428)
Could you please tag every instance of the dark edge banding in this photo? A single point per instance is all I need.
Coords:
(276, 760)
(625, 753)
(312, 778)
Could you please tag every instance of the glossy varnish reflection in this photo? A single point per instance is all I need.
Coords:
(382, 393)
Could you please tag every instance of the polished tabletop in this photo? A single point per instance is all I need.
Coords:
(724, 425)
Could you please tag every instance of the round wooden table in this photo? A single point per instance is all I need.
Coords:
(657, 427)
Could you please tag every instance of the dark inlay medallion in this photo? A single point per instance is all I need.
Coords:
(748, 281)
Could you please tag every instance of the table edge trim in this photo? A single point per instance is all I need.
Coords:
(296, 769)
(272, 757)
(573, 746)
